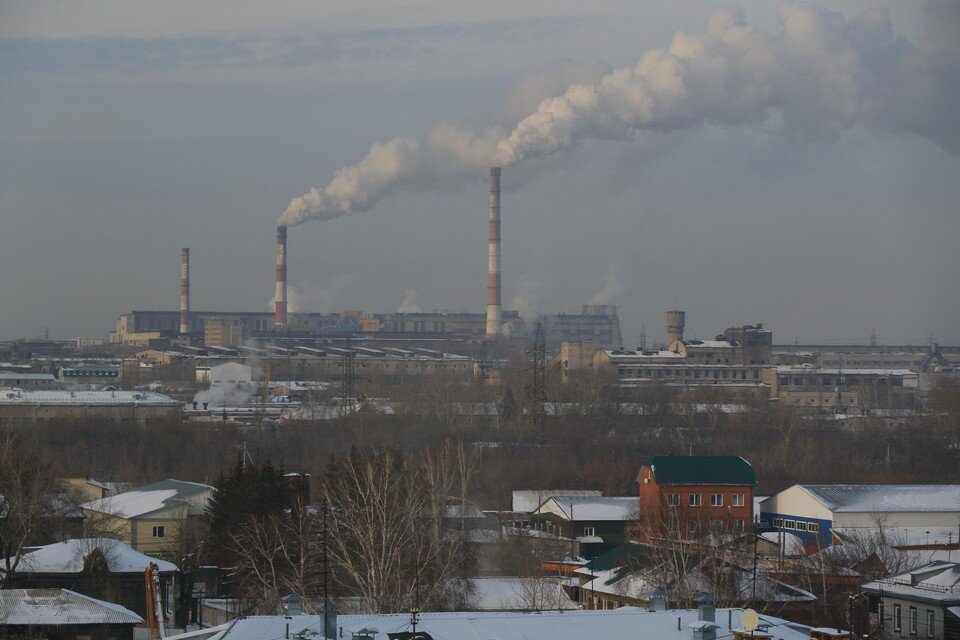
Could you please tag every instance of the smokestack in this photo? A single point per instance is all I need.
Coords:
(676, 320)
(280, 296)
(184, 291)
(493, 258)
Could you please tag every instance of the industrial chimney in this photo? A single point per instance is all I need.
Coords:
(184, 291)
(280, 295)
(675, 322)
(493, 259)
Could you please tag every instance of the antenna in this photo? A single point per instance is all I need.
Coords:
(873, 337)
(348, 364)
(643, 338)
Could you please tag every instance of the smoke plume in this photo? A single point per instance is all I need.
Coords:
(409, 304)
(611, 292)
(821, 74)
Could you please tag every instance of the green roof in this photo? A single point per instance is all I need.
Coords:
(696, 470)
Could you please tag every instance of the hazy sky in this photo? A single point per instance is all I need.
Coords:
(808, 179)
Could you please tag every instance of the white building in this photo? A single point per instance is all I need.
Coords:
(814, 512)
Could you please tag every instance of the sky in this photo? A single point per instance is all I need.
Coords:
(791, 164)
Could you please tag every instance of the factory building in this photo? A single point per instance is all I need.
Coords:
(598, 323)
(134, 408)
(842, 390)
(27, 380)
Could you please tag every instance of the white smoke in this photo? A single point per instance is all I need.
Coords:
(611, 292)
(528, 292)
(315, 296)
(820, 74)
(409, 304)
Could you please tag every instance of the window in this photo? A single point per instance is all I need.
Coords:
(716, 499)
(896, 618)
(913, 621)
(801, 526)
(813, 526)
(159, 531)
(589, 531)
(695, 500)
(930, 622)
(738, 525)
(737, 499)
(693, 525)
(673, 499)
(789, 524)
(778, 522)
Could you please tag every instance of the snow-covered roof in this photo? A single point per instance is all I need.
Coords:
(623, 355)
(527, 500)
(899, 537)
(87, 397)
(59, 607)
(153, 497)
(937, 581)
(809, 368)
(880, 498)
(511, 593)
(623, 623)
(13, 375)
(708, 344)
(597, 508)
(70, 556)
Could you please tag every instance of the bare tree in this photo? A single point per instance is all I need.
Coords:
(279, 554)
(391, 525)
(29, 503)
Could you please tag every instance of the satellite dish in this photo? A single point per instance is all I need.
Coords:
(749, 619)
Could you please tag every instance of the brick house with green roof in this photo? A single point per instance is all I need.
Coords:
(689, 496)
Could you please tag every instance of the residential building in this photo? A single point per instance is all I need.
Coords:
(815, 513)
(64, 615)
(598, 522)
(923, 603)
(689, 496)
(151, 517)
(97, 567)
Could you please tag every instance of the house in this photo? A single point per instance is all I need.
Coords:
(598, 522)
(921, 603)
(635, 574)
(626, 623)
(151, 517)
(817, 513)
(61, 614)
(688, 495)
(86, 488)
(97, 567)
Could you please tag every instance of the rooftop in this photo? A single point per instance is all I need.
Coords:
(592, 508)
(71, 555)
(57, 607)
(149, 498)
(59, 397)
(625, 622)
(937, 581)
(886, 497)
(702, 470)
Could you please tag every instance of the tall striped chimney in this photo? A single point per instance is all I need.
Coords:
(280, 295)
(494, 328)
(184, 291)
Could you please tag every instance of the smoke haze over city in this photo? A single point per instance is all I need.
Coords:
(794, 164)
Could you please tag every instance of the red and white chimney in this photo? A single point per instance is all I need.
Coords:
(280, 296)
(185, 291)
(494, 326)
